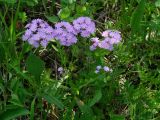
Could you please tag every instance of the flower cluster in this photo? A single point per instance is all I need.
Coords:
(84, 25)
(111, 37)
(65, 33)
(38, 32)
(105, 68)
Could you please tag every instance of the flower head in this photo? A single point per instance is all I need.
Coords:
(38, 32)
(113, 36)
(105, 44)
(65, 33)
(60, 70)
(107, 69)
(85, 26)
(98, 67)
(95, 44)
(66, 26)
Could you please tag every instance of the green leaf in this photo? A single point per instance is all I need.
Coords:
(116, 117)
(157, 3)
(52, 19)
(96, 98)
(19, 72)
(64, 13)
(71, 1)
(137, 16)
(22, 16)
(32, 110)
(9, 1)
(31, 2)
(85, 109)
(2, 54)
(13, 113)
(35, 66)
(16, 101)
(81, 9)
(54, 100)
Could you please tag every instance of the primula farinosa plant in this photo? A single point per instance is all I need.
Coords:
(38, 32)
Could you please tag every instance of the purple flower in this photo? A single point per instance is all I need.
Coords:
(98, 67)
(105, 45)
(38, 32)
(66, 26)
(113, 36)
(65, 33)
(106, 33)
(34, 43)
(68, 40)
(44, 43)
(60, 70)
(85, 26)
(95, 44)
(107, 69)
